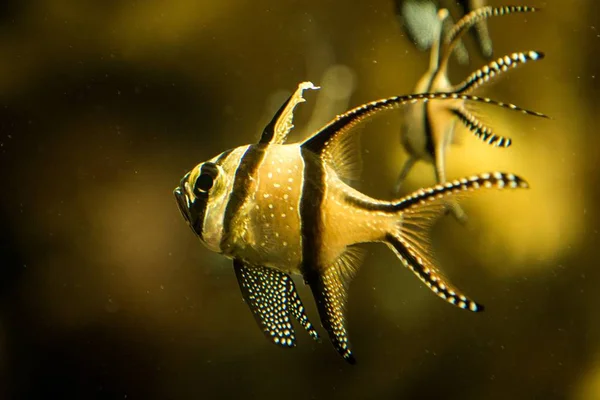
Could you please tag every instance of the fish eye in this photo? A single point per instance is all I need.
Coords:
(206, 180)
(204, 183)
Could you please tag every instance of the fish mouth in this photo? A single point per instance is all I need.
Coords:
(182, 202)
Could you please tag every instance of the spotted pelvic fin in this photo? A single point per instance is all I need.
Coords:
(272, 298)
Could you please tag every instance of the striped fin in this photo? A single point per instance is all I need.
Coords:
(419, 211)
(330, 289)
(432, 278)
(272, 297)
(277, 130)
(460, 51)
(495, 68)
(499, 180)
(480, 14)
(480, 130)
(338, 127)
(481, 33)
(469, 20)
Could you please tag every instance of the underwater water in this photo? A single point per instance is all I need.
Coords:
(105, 293)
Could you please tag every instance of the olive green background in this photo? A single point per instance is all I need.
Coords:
(105, 293)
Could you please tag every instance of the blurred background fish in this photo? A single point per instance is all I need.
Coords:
(104, 292)
(419, 20)
(428, 128)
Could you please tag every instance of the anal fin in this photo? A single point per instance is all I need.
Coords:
(272, 297)
(330, 289)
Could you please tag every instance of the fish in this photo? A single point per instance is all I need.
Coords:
(279, 210)
(482, 34)
(419, 21)
(428, 128)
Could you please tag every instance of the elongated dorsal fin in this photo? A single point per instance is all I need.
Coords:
(272, 297)
(330, 289)
(276, 132)
(334, 131)
(495, 69)
(469, 20)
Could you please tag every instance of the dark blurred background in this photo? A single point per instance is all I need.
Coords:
(106, 294)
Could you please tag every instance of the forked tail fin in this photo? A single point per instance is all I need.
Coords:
(419, 211)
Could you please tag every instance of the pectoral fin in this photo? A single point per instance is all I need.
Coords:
(272, 297)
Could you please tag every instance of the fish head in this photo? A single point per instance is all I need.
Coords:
(202, 196)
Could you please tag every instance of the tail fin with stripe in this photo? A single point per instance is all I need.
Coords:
(419, 211)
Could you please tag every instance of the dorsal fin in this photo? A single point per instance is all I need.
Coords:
(277, 130)
(344, 157)
(496, 68)
(330, 289)
(335, 130)
(466, 22)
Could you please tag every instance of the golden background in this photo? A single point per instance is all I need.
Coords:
(105, 293)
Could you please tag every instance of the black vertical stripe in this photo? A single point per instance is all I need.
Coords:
(249, 163)
(311, 202)
(429, 145)
(197, 210)
(328, 299)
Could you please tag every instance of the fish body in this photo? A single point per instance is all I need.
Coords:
(279, 209)
(428, 128)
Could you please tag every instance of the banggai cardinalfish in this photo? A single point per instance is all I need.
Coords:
(279, 209)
